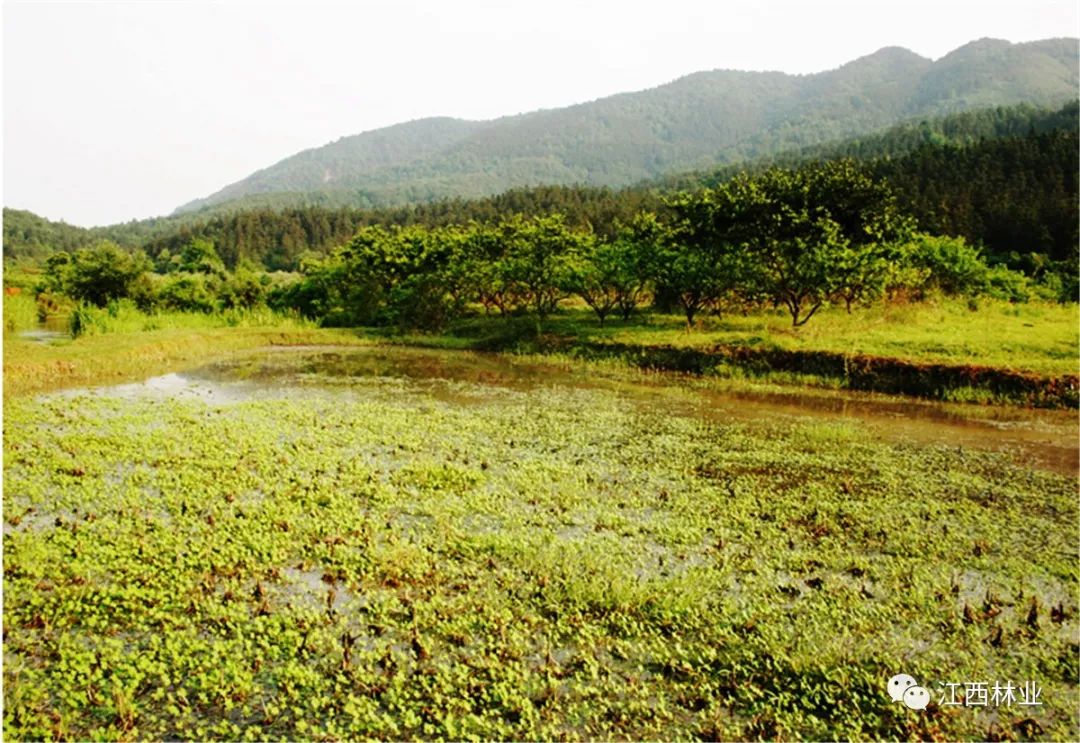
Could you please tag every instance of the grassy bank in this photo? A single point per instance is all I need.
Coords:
(1000, 353)
(1035, 337)
(955, 383)
(32, 366)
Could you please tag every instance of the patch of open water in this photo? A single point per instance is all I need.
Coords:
(1044, 439)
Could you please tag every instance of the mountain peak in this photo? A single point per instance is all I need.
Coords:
(983, 47)
(895, 53)
(893, 59)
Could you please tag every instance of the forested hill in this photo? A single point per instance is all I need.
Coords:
(956, 130)
(1016, 195)
(276, 238)
(698, 121)
(1004, 178)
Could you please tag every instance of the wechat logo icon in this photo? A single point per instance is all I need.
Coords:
(904, 688)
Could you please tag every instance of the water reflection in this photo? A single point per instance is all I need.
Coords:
(54, 328)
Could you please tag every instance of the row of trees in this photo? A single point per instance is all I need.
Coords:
(194, 280)
(795, 239)
(790, 238)
(278, 239)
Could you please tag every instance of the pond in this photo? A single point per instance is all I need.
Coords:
(1046, 439)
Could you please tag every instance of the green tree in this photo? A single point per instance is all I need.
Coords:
(416, 278)
(593, 276)
(242, 290)
(200, 256)
(702, 257)
(539, 257)
(820, 230)
(167, 262)
(188, 292)
(396, 276)
(948, 263)
(349, 287)
(613, 274)
(57, 278)
(103, 273)
(484, 262)
(144, 291)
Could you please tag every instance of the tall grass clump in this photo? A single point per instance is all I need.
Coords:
(123, 316)
(20, 313)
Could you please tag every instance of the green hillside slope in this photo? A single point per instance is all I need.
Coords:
(697, 121)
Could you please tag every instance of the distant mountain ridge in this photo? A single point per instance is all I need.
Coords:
(698, 121)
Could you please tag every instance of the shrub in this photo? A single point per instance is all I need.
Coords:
(951, 264)
(242, 290)
(1004, 283)
(85, 320)
(100, 274)
(188, 293)
(144, 291)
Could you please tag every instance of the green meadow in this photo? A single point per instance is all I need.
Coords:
(1038, 337)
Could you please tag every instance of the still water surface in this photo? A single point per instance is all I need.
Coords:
(1042, 439)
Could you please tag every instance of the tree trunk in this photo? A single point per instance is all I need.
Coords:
(690, 313)
(795, 322)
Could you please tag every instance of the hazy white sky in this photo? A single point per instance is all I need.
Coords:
(115, 111)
